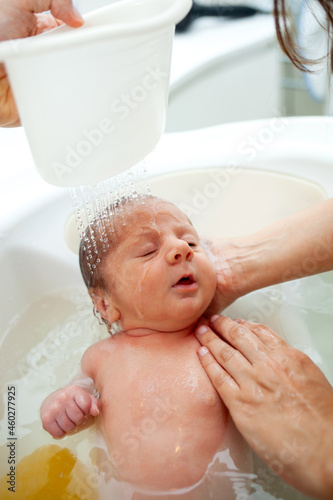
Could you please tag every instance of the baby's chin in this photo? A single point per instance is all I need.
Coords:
(178, 324)
(174, 320)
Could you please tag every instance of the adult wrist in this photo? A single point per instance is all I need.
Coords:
(249, 261)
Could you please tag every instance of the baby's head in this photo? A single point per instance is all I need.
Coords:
(154, 273)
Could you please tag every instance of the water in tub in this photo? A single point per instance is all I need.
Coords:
(78, 466)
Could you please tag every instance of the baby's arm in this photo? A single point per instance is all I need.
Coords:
(67, 408)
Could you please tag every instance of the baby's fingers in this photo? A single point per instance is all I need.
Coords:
(94, 408)
(54, 429)
(65, 423)
(74, 413)
(87, 403)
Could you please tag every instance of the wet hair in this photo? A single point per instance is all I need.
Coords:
(101, 237)
(93, 251)
(98, 240)
(285, 32)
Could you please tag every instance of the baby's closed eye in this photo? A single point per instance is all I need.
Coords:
(148, 250)
(191, 241)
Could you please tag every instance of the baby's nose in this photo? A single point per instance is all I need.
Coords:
(179, 250)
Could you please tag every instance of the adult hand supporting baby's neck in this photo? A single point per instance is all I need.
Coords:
(299, 245)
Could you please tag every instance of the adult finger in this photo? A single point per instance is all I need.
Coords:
(60, 9)
(269, 338)
(220, 378)
(230, 359)
(44, 22)
(8, 111)
(19, 21)
(238, 336)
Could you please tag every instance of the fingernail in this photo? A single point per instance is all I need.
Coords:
(202, 329)
(214, 318)
(202, 351)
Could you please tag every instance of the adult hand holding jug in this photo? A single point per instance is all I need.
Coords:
(24, 18)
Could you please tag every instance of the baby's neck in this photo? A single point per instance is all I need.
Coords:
(148, 334)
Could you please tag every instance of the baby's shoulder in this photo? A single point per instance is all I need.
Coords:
(96, 353)
(103, 346)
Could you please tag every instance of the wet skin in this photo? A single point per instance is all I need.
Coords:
(160, 282)
(161, 416)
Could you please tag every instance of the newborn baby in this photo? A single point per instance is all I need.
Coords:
(162, 419)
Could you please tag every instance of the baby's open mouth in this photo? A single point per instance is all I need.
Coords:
(185, 281)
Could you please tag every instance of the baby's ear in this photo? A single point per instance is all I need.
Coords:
(103, 305)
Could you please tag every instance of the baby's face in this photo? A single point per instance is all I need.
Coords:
(158, 275)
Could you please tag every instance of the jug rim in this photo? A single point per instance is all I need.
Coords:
(64, 37)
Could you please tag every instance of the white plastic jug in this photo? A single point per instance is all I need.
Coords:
(93, 100)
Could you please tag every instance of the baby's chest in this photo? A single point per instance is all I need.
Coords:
(172, 385)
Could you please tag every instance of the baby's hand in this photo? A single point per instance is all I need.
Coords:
(67, 408)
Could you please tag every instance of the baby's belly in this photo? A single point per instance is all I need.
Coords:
(163, 432)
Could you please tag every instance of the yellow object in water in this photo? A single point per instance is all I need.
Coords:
(50, 473)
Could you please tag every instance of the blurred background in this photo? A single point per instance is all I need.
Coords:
(227, 69)
(227, 65)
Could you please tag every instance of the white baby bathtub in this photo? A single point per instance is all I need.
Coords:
(231, 179)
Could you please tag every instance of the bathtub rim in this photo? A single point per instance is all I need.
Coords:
(23, 193)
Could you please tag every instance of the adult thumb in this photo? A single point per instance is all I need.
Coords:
(66, 12)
